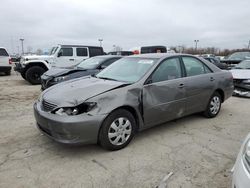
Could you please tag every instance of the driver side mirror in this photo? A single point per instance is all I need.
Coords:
(59, 54)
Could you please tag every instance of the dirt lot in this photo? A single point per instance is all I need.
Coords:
(199, 151)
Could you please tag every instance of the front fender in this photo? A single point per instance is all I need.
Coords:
(42, 62)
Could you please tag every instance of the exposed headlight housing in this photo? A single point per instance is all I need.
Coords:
(40, 97)
(60, 78)
(71, 111)
(246, 155)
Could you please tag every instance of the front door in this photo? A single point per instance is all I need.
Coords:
(164, 93)
(66, 58)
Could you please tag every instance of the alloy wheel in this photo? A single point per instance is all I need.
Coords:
(119, 131)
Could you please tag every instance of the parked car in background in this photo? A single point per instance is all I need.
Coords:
(122, 53)
(32, 67)
(149, 49)
(217, 62)
(241, 169)
(132, 94)
(87, 67)
(5, 61)
(241, 76)
(15, 58)
(236, 58)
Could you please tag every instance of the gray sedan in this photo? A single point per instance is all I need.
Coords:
(132, 94)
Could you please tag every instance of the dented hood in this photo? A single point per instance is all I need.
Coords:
(54, 72)
(74, 92)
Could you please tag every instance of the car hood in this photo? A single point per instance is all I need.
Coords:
(74, 92)
(37, 57)
(241, 73)
(54, 72)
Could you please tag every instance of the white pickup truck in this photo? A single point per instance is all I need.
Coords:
(5, 61)
(32, 67)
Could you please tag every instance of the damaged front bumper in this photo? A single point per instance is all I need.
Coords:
(241, 93)
(19, 67)
(241, 89)
(46, 82)
(79, 129)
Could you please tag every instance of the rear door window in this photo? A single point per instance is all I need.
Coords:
(3, 52)
(194, 66)
(81, 52)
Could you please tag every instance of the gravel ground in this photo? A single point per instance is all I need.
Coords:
(199, 151)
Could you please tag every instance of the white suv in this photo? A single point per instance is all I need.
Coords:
(5, 61)
(32, 67)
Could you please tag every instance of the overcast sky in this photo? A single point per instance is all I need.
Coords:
(127, 23)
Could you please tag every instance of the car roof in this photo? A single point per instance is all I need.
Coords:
(108, 56)
(158, 55)
(68, 45)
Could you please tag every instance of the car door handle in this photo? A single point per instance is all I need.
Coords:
(211, 78)
(181, 85)
(72, 59)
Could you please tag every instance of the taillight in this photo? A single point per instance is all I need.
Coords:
(10, 62)
(136, 52)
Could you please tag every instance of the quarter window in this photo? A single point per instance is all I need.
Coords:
(95, 51)
(168, 70)
(66, 51)
(81, 52)
(194, 67)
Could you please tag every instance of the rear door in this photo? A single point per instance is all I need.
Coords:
(199, 84)
(164, 93)
(4, 57)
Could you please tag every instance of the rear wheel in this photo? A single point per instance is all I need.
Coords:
(117, 130)
(33, 74)
(214, 105)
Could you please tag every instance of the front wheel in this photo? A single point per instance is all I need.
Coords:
(23, 75)
(117, 130)
(8, 73)
(214, 105)
(33, 74)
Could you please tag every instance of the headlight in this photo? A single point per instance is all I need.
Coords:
(246, 155)
(60, 78)
(246, 81)
(71, 111)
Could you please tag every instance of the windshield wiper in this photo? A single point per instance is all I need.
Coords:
(106, 78)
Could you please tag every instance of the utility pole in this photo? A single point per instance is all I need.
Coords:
(100, 40)
(196, 44)
(22, 45)
(248, 45)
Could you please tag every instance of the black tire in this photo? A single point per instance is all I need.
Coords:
(33, 74)
(209, 113)
(8, 73)
(104, 139)
(23, 75)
